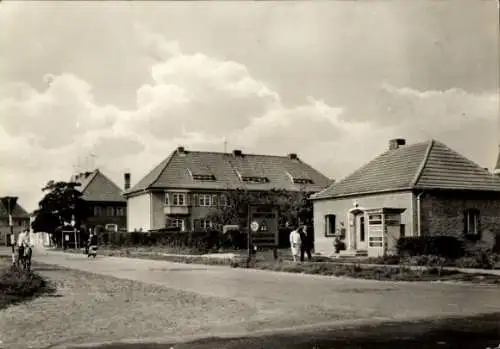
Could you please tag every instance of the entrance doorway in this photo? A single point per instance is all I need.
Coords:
(360, 231)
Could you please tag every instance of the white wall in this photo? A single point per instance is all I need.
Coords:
(340, 208)
(139, 212)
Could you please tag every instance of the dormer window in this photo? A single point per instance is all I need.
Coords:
(298, 180)
(201, 176)
(302, 181)
(254, 179)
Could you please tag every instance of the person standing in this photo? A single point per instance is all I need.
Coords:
(305, 247)
(295, 243)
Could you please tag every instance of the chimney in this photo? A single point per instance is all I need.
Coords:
(237, 152)
(293, 156)
(396, 143)
(126, 179)
(181, 150)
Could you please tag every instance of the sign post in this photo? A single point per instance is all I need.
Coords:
(263, 224)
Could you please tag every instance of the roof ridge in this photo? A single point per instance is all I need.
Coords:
(423, 163)
(230, 153)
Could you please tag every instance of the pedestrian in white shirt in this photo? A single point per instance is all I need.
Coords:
(295, 243)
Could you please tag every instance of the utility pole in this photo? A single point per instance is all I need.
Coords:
(9, 202)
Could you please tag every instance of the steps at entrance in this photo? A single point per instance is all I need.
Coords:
(361, 253)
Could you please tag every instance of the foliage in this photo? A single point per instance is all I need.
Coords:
(16, 284)
(61, 203)
(339, 245)
(293, 207)
(443, 246)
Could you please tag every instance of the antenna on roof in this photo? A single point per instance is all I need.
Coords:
(225, 144)
(92, 161)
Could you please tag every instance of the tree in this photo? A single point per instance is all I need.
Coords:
(293, 206)
(61, 204)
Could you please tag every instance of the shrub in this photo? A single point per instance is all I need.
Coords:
(17, 284)
(443, 246)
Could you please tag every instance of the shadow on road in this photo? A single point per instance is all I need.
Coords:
(475, 333)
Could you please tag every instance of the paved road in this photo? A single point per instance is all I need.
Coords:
(277, 293)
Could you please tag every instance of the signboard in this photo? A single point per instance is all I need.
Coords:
(264, 226)
(66, 237)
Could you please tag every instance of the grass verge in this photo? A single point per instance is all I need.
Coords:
(17, 285)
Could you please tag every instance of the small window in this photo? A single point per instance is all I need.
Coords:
(120, 211)
(167, 199)
(330, 224)
(179, 199)
(254, 179)
(402, 232)
(214, 200)
(471, 222)
(302, 181)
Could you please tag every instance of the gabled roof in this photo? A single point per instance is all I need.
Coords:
(18, 212)
(426, 165)
(183, 170)
(95, 186)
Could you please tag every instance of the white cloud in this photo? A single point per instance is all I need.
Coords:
(196, 100)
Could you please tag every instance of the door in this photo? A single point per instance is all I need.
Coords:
(361, 238)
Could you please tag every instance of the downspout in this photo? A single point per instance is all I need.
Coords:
(419, 218)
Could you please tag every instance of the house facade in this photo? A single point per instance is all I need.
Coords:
(107, 206)
(420, 189)
(20, 221)
(184, 188)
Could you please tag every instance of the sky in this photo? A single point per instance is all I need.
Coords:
(332, 81)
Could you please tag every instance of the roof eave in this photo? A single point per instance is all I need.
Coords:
(342, 196)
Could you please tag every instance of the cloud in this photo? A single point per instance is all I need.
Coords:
(197, 100)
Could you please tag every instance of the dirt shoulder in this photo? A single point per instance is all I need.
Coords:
(89, 307)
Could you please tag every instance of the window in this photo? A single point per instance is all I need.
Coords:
(330, 225)
(374, 219)
(179, 199)
(177, 223)
(223, 201)
(205, 224)
(167, 199)
(97, 211)
(402, 232)
(302, 181)
(203, 177)
(471, 222)
(204, 199)
(214, 200)
(254, 179)
(362, 229)
(110, 211)
(120, 211)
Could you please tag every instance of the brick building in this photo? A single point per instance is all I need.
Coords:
(107, 205)
(182, 190)
(419, 189)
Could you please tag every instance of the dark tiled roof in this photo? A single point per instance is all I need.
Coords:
(174, 172)
(95, 186)
(426, 165)
(19, 212)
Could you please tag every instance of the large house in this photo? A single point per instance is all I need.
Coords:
(409, 190)
(182, 189)
(20, 221)
(107, 206)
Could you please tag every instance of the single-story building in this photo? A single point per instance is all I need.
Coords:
(409, 190)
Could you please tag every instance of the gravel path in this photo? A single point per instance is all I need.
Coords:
(90, 307)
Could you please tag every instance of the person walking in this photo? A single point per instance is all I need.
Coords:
(295, 243)
(305, 247)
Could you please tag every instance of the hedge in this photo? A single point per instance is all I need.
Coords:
(443, 246)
